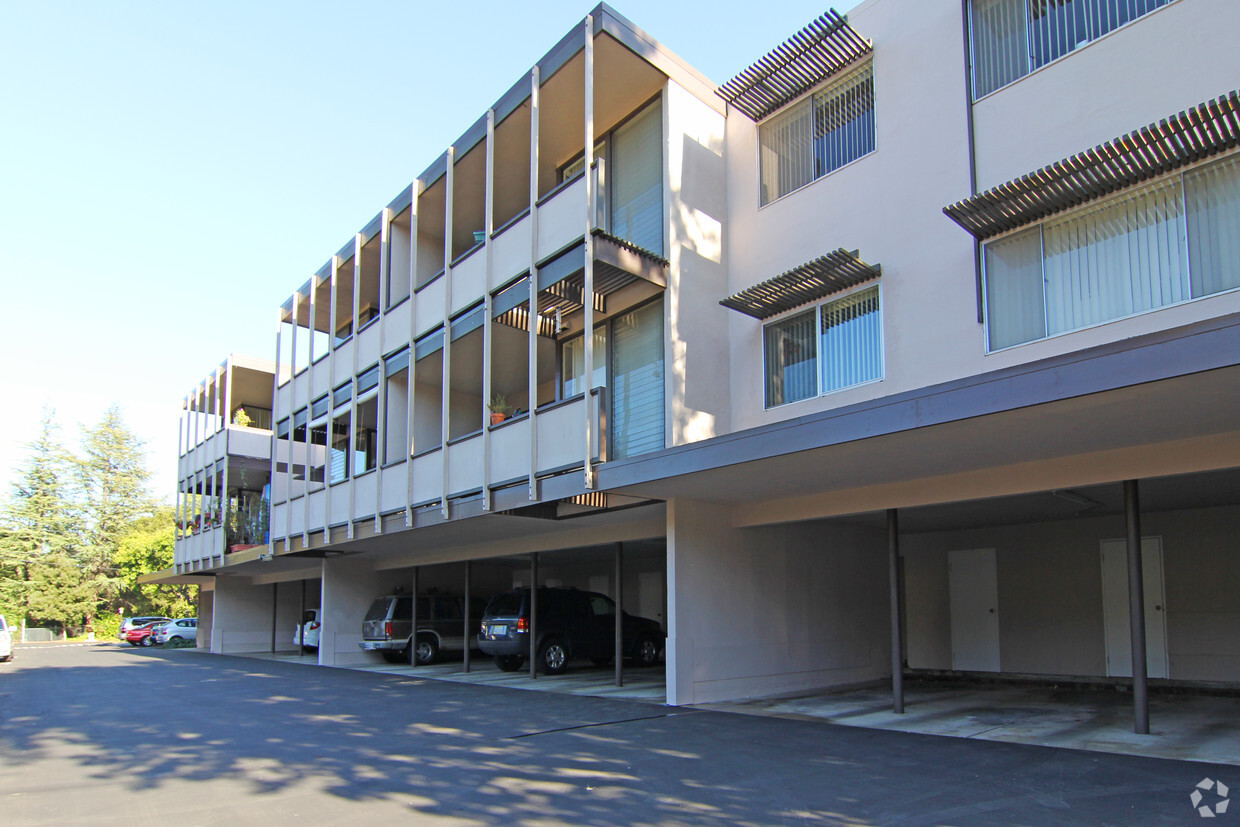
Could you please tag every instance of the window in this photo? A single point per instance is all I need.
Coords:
(365, 443)
(836, 345)
(573, 363)
(1160, 244)
(1011, 38)
(819, 134)
(340, 447)
(396, 408)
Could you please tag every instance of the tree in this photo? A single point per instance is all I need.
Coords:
(40, 533)
(112, 476)
(147, 547)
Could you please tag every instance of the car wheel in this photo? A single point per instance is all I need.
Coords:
(177, 638)
(553, 656)
(392, 656)
(146, 641)
(509, 663)
(646, 651)
(428, 650)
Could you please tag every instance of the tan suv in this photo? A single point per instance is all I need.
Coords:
(441, 626)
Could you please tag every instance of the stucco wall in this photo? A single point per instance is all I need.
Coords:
(770, 610)
(1050, 593)
(241, 616)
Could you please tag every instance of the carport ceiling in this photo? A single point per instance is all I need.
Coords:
(1203, 490)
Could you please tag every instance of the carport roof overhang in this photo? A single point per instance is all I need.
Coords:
(1153, 405)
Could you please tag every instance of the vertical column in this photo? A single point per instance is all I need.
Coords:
(413, 618)
(449, 199)
(1136, 609)
(275, 614)
(469, 636)
(301, 623)
(587, 293)
(385, 266)
(349, 463)
(533, 317)
(487, 350)
(897, 642)
(534, 615)
(333, 304)
(619, 614)
(275, 442)
(228, 392)
(415, 190)
(309, 394)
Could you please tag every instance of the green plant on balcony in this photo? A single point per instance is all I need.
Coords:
(241, 418)
(499, 408)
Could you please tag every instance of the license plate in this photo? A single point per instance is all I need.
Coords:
(370, 645)
(501, 629)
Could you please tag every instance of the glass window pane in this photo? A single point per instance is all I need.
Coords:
(1212, 207)
(637, 411)
(786, 159)
(844, 121)
(791, 359)
(1015, 306)
(636, 180)
(573, 363)
(851, 340)
(1000, 44)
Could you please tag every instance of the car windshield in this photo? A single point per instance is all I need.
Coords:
(507, 604)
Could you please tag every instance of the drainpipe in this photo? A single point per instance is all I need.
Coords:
(972, 146)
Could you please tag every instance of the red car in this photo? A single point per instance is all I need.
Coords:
(141, 635)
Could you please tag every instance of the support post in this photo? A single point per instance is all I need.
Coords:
(301, 624)
(465, 608)
(275, 614)
(534, 615)
(1136, 609)
(413, 621)
(897, 642)
(619, 614)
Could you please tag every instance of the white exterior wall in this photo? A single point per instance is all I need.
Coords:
(888, 205)
(1053, 624)
(762, 611)
(241, 616)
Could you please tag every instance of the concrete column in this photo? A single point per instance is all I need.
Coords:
(469, 635)
(275, 613)
(350, 585)
(410, 494)
(534, 615)
(587, 292)
(301, 622)
(533, 311)
(897, 642)
(445, 401)
(1136, 609)
(619, 614)
(413, 626)
(487, 301)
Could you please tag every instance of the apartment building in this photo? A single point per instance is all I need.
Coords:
(913, 348)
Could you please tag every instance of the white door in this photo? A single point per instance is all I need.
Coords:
(974, 593)
(1115, 608)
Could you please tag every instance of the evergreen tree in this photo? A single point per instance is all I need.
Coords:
(40, 534)
(112, 477)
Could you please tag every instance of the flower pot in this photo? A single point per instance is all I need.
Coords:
(497, 417)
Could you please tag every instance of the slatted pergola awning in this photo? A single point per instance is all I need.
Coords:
(801, 285)
(804, 60)
(1182, 139)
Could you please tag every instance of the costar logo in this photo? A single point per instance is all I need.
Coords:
(1220, 797)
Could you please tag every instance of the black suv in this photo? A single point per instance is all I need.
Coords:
(571, 624)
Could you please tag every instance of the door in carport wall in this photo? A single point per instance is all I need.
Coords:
(974, 592)
(1115, 608)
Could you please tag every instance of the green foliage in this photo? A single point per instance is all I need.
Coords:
(180, 644)
(76, 532)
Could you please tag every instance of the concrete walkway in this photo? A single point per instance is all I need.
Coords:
(1191, 727)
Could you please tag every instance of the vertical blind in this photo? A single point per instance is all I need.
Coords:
(822, 133)
(833, 346)
(637, 382)
(1013, 37)
(637, 180)
(1160, 244)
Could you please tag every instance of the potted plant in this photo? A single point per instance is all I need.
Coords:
(499, 408)
(242, 418)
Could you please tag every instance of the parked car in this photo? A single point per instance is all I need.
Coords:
(141, 635)
(185, 628)
(387, 627)
(130, 623)
(571, 624)
(310, 620)
(6, 641)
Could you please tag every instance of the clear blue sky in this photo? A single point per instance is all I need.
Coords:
(170, 172)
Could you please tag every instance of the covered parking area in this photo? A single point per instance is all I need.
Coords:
(1054, 524)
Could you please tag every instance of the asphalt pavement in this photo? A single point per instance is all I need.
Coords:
(109, 734)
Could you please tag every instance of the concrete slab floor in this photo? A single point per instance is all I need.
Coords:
(1183, 726)
(648, 685)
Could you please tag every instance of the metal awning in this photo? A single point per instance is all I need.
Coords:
(1192, 135)
(810, 281)
(801, 62)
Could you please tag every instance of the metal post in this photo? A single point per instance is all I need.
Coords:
(413, 621)
(469, 637)
(1136, 609)
(619, 614)
(534, 615)
(275, 608)
(301, 625)
(897, 643)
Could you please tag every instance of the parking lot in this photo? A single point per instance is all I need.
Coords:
(112, 734)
